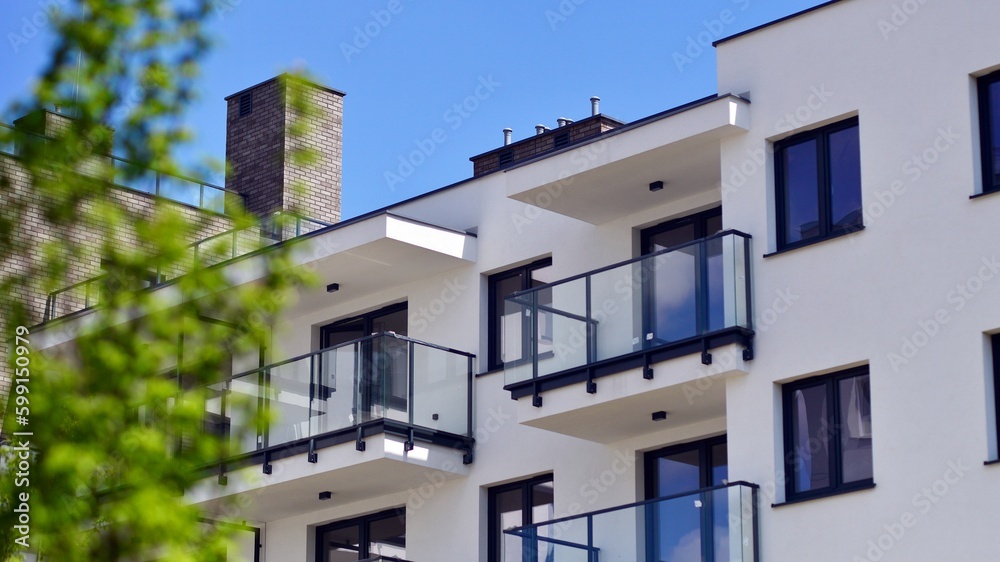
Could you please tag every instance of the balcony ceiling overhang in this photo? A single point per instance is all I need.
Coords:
(363, 256)
(379, 253)
(622, 407)
(293, 486)
(609, 177)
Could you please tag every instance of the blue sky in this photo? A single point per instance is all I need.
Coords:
(407, 64)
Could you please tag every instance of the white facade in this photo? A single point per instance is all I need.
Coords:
(915, 296)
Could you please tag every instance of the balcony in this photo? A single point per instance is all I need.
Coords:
(210, 251)
(708, 525)
(123, 173)
(363, 418)
(636, 315)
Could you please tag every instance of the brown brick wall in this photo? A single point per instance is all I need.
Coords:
(539, 144)
(258, 148)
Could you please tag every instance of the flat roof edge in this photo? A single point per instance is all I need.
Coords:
(775, 22)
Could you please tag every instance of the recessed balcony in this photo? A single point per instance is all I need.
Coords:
(645, 315)
(718, 523)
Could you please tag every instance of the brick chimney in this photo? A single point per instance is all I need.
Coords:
(257, 148)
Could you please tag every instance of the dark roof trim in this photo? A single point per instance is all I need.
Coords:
(775, 22)
(525, 140)
(633, 125)
(286, 75)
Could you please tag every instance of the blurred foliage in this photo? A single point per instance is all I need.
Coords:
(117, 414)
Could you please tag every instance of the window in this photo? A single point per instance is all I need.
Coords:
(380, 534)
(818, 179)
(501, 286)
(989, 130)
(995, 341)
(513, 505)
(828, 434)
(386, 362)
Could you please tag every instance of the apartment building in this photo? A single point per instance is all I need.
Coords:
(762, 326)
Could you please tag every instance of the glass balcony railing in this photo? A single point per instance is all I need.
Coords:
(681, 295)
(210, 251)
(411, 387)
(123, 173)
(709, 525)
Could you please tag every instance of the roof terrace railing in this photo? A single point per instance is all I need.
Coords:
(210, 251)
(188, 191)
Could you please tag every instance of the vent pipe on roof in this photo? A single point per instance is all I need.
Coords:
(595, 105)
(563, 121)
(506, 135)
(540, 129)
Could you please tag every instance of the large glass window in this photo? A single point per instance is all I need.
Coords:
(989, 130)
(693, 529)
(386, 361)
(828, 434)
(685, 295)
(516, 504)
(380, 534)
(501, 286)
(818, 179)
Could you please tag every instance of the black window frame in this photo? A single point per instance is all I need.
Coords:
(824, 195)
(837, 486)
(364, 530)
(986, 132)
(526, 486)
(493, 347)
(393, 399)
(995, 356)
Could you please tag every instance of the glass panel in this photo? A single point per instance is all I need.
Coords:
(244, 393)
(290, 403)
(845, 179)
(334, 405)
(856, 429)
(342, 333)
(341, 545)
(616, 310)
(801, 191)
(184, 191)
(440, 390)
(508, 513)
(390, 322)
(674, 295)
(810, 438)
(517, 326)
(543, 509)
(387, 537)
(711, 525)
(715, 284)
(134, 177)
(561, 328)
(215, 199)
(509, 348)
(994, 117)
